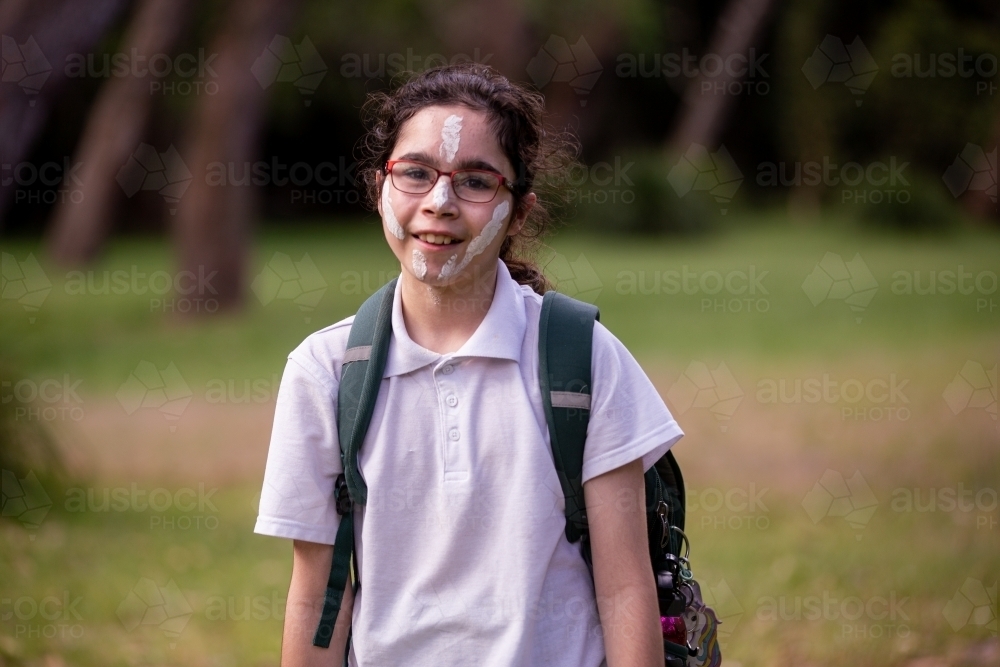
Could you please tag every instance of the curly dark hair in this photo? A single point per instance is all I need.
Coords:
(540, 157)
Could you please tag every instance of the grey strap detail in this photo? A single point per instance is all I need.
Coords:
(360, 353)
(570, 399)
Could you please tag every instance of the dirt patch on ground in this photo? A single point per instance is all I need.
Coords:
(787, 447)
(212, 443)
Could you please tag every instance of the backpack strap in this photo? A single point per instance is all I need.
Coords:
(360, 378)
(565, 343)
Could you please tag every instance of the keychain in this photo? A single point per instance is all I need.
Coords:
(698, 622)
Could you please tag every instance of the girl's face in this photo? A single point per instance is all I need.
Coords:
(439, 238)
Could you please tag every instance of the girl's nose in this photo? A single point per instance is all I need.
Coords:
(442, 199)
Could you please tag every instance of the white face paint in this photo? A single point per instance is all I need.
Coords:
(441, 193)
(451, 133)
(390, 216)
(479, 243)
(419, 264)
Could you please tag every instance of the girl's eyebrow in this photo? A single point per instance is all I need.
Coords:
(467, 163)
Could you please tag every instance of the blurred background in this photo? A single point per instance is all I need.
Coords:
(786, 209)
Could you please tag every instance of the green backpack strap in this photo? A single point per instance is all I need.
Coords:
(565, 341)
(360, 378)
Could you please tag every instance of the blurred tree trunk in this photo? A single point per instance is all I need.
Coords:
(114, 129)
(978, 202)
(213, 225)
(703, 116)
(38, 35)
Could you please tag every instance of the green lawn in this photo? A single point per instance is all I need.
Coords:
(788, 587)
(101, 337)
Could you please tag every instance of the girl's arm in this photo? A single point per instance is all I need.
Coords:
(310, 572)
(623, 575)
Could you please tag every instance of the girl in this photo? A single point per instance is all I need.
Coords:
(461, 550)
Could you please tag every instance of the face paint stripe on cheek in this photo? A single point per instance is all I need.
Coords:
(451, 136)
(390, 216)
(479, 243)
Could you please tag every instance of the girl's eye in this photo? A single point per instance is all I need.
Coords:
(475, 181)
(416, 174)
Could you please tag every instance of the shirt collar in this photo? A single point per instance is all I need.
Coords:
(499, 336)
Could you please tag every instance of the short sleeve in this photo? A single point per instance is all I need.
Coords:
(303, 459)
(628, 419)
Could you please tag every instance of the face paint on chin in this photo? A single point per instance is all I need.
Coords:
(419, 265)
(479, 243)
(389, 215)
(451, 136)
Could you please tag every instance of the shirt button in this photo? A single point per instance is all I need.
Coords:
(447, 370)
(452, 400)
(453, 434)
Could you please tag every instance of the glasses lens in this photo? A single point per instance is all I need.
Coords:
(476, 186)
(412, 177)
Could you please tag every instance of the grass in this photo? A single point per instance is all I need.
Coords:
(756, 562)
(101, 337)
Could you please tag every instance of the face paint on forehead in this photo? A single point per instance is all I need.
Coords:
(451, 133)
(389, 215)
(479, 243)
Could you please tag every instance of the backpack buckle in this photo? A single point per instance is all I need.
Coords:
(342, 495)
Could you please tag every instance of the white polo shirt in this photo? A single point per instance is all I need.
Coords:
(462, 554)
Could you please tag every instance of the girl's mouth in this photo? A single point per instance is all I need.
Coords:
(436, 241)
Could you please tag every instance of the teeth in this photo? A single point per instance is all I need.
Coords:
(436, 239)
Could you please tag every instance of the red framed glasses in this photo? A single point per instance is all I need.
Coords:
(472, 185)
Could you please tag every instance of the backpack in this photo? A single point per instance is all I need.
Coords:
(565, 339)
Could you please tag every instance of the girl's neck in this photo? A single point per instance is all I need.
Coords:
(441, 319)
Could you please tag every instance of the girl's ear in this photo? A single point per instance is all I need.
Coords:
(521, 215)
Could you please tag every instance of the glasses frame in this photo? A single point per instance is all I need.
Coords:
(504, 182)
